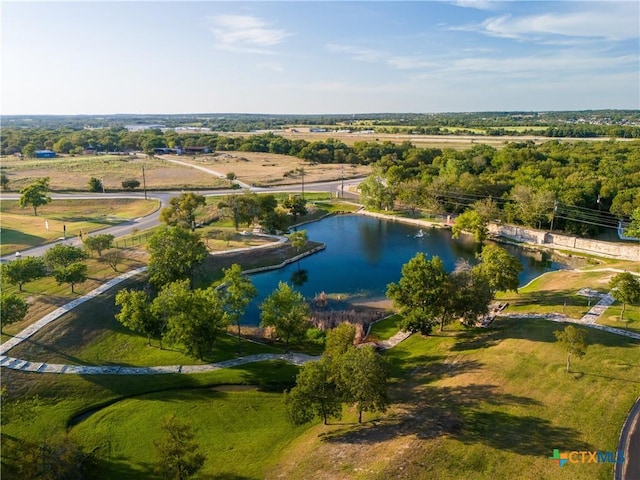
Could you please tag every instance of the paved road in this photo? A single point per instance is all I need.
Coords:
(630, 446)
(152, 220)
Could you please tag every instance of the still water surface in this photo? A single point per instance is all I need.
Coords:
(364, 254)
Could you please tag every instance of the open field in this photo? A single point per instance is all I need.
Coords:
(488, 404)
(556, 292)
(481, 404)
(73, 173)
(21, 229)
(268, 169)
(456, 142)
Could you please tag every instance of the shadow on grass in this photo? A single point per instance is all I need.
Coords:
(535, 330)
(470, 414)
(11, 236)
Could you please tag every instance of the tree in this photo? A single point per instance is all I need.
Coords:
(296, 205)
(376, 194)
(23, 270)
(12, 309)
(63, 255)
(137, 314)
(98, 243)
(4, 181)
(424, 295)
(474, 294)
(130, 184)
(339, 340)
(315, 395)
(633, 230)
(95, 185)
(363, 379)
(573, 341)
(175, 254)
(470, 221)
(411, 194)
(488, 209)
(178, 454)
(35, 194)
(60, 457)
(625, 288)
(298, 240)
(113, 258)
(181, 210)
(72, 274)
(286, 311)
(237, 293)
(194, 318)
(29, 150)
(500, 268)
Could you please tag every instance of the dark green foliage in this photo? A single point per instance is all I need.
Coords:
(296, 205)
(98, 243)
(176, 254)
(130, 184)
(625, 288)
(287, 312)
(95, 185)
(181, 210)
(12, 309)
(35, 194)
(23, 270)
(71, 274)
(178, 454)
(61, 255)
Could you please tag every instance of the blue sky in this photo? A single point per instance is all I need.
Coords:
(318, 57)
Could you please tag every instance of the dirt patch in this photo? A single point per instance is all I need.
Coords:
(268, 169)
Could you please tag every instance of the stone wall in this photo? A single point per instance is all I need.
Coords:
(623, 251)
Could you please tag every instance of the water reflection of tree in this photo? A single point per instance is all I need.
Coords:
(371, 237)
(299, 277)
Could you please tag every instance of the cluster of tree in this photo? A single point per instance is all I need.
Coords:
(244, 209)
(344, 374)
(410, 121)
(581, 188)
(63, 262)
(195, 317)
(427, 295)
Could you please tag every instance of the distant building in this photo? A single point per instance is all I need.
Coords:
(140, 127)
(45, 154)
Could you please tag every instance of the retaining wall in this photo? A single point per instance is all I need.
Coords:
(623, 251)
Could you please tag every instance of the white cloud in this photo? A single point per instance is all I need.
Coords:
(603, 20)
(477, 4)
(399, 62)
(245, 33)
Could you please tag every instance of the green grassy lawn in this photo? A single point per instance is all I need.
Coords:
(241, 432)
(556, 292)
(21, 229)
(483, 404)
(45, 295)
(385, 329)
(130, 419)
(630, 320)
(90, 335)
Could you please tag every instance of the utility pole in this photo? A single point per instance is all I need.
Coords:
(102, 182)
(342, 182)
(144, 183)
(302, 176)
(555, 208)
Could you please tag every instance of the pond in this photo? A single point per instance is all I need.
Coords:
(364, 254)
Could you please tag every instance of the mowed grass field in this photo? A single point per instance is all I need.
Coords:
(22, 229)
(73, 173)
(268, 169)
(487, 404)
(481, 404)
